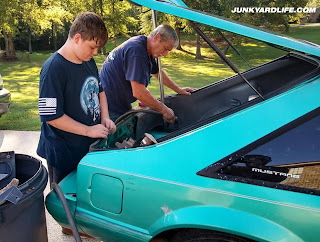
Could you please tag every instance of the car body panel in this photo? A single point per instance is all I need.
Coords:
(68, 187)
(161, 190)
(5, 98)
(226, 220)
(240, 127)
(138, 193)
(144, 171)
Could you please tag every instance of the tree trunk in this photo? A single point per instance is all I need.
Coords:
(55, 45)
(53, 36)
(198, 53)
(177, 29)
(101, 8)
(225, 51)
(285, 23)
(30, 45)
(104, 51)
(9, 45)
(115, 41)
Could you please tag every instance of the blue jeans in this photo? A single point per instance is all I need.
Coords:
(56, 175)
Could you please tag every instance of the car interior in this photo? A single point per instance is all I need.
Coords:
(211, 102)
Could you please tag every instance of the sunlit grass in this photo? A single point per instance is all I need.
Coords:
(22, 77)
(249, 44)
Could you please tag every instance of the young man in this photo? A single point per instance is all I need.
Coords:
(72, 105)
(126, 72)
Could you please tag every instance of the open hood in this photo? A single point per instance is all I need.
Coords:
(179, 9)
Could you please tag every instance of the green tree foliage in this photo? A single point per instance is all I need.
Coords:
(313, 4)
(8, 25)
(32, 17)
(74, 7)
(54, 18)
(116, 15)
(209, 6)
(38, 18)
(272, 21)
(146, 24)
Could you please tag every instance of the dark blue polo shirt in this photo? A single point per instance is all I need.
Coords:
(128, 62)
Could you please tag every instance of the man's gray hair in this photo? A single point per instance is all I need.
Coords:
(166, 33)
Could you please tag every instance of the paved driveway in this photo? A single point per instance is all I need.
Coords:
(25, 142)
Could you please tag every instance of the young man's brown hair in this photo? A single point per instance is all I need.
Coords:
(91, 27)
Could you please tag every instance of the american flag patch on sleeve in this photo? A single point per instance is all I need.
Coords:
(47, 106)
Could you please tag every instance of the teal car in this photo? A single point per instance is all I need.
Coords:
(5, 98)
(241, 163)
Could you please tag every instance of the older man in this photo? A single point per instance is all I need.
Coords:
(127, 70)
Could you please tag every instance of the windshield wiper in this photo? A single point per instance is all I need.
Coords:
(223, 56)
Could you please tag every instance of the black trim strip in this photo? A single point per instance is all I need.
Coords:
(226, 113)
(233, 47)
(223, 56)
(212, 171)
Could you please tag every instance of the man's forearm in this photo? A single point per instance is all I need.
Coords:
(70, 125)
(141, 93)
(103, 105)
(173, 86)
(168, 82)
(150, 101)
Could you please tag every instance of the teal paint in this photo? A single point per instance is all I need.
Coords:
(106, 193)
(135, 194)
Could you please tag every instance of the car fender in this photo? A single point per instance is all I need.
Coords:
(225, 220)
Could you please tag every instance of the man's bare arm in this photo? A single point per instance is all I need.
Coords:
(167, 81)
(70, 125)
(141, 93)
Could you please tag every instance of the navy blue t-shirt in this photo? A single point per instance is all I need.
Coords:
(128, 62)
(71, 89)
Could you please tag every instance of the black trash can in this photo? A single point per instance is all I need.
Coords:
(25, 221)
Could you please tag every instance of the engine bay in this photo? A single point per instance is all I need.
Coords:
(144, 126)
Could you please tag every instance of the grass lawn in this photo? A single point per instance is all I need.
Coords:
(22, 77)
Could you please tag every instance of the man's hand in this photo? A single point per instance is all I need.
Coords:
(109, 124)
(68, 124)
(141, 93)
(186, 90)
(168, 115)
(97, 131)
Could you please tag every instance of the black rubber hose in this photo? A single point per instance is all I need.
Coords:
(66, 208)
(136, 111)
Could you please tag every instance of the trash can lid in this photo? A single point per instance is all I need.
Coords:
(7, 168)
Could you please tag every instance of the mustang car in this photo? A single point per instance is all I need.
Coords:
(5, 98)
(241, 163)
